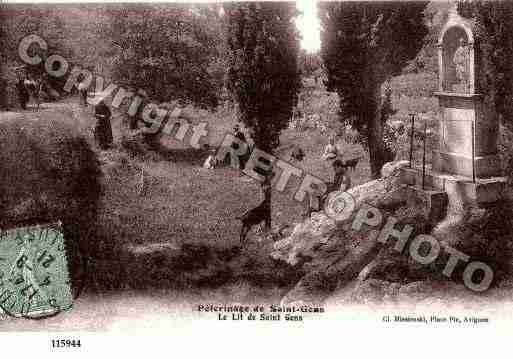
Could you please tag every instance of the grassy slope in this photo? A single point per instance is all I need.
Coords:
(183, 203)
(178, 193)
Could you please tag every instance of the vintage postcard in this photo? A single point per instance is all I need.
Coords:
(197, 171)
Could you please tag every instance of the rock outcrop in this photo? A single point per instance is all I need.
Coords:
(336, 257)
(391, 168)
(333, 253)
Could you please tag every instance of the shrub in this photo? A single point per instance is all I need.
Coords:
(48, 173)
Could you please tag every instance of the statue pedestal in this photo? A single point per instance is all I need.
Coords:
(461, 191)
(466, 166)
(468, 138)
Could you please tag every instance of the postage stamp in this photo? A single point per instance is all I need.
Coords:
(34, 278)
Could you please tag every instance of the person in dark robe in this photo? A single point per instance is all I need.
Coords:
(102, 128)
(23, 94)
(342, 180)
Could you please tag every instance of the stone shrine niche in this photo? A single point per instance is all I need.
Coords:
(468, 129)
(456, 60)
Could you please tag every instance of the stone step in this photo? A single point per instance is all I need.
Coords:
(434, 201)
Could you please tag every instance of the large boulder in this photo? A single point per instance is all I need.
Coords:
(394, 266)
(320, 231)
(335, 257)
(305, 240)
(333, 254)
(387, 192)
(391, 168)
(334, 267)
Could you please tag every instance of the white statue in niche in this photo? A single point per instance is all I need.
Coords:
(461, 61)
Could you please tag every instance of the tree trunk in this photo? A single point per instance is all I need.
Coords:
(375, 135)
(267, 199)
(267, 189)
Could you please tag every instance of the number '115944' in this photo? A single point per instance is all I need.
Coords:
(66, 343)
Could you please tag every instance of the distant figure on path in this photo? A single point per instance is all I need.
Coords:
(102, 128)
(22, 93)
(33, 88)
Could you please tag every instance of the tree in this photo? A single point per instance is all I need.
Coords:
(167, 51)
(18, 21)
(494, 38)
(493, 34)
(435, 16)
(363, 45)
(3, 60)
(263, 73)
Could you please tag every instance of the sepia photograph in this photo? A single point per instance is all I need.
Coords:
(265, 163)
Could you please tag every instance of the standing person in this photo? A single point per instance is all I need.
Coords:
(102, 128)
(22, 92)
(32, 88)
(341, 181)
(82, 92)
(240, 135)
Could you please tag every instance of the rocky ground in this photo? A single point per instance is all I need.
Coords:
(345, 266)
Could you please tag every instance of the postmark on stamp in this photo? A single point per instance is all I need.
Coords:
(34, 278)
